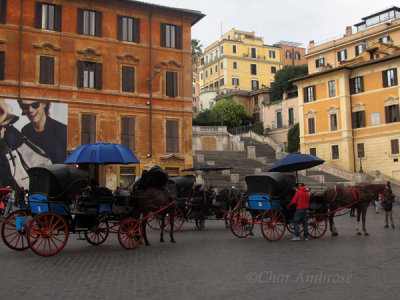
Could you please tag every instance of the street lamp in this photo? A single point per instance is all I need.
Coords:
(360, 156)
(156, 71)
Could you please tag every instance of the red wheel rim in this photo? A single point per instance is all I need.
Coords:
(179, 219)
(47, 234)
(154, 222)
(13, 238)
(317, 225)
(130, 234)
(241, 222)
(99, 234)
(273, 225)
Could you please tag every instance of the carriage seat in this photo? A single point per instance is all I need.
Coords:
(184, 185)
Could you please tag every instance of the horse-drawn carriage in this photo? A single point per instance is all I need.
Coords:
(61, 202)
(265, 203)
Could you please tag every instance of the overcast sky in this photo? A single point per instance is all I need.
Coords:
(274, 20)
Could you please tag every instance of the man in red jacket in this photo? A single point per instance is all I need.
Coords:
(302, 198)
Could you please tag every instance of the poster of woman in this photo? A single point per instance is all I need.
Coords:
(33, 133)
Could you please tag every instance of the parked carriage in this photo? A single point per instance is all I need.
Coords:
(265, 203)
(61, 202)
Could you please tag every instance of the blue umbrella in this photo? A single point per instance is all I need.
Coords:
(102, 153)
(295, 162)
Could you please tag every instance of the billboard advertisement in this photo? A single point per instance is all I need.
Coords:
(33, 133)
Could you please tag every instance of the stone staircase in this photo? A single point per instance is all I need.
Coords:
(242, 166)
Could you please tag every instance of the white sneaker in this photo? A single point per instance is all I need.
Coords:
(306, 239)
(296, 238)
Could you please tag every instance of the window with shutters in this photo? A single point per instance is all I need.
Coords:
(234, 48)
(320, 62)
(221, 82)
(253, 53)
(359, 49)
(254, 84)
(288, 54)
(389, 77)
(313, 151)
(89, 75)
(271, 54)
(342, 55)
(235, 81)
(356, 85)
(253, 69)
(234, 65)
(2, 64)
(90, 22)
(358, 119)
(128, 132)
(128, 29)
(311, 125)
(172, 136)
(309, 94)
(48, 16)
(46, 70)
(335, 152)
(360, 150)
(273, 70)
(3, 11)
(88, 133)
(291, 116)
(384, 39)
(332, 88)
(128, 79)
(394, 146)
(171, 84)
(279, 119)
(333, 122)
(171, 36)
(392, 113)
(297, 56)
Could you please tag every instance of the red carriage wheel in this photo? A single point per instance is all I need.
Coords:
(200, 222)
(317, 225)
(154, 222)
(179, 219)
(98, 234)
(241, 222)
(13, 237)
(273, 224)
(130, 233)
(290, 227)
(47, 234)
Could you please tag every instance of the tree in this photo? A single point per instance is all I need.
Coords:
(293, 139)
(229, 112)
(196, 50)
(281, 83)
(205, 118)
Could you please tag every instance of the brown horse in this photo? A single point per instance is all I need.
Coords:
(360, 196)
(151, 199)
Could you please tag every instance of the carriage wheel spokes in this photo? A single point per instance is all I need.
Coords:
(317, 225)
(179, 219)
(273, 224)
(130, 233)
(47, 234)
(154, 222)
(290, 227)
(98, 234)
(241, 222)
(12, 237)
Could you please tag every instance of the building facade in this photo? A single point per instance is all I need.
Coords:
(291, 53)
(239, 61)
(383, 26)
(122, 68)
(196, 86)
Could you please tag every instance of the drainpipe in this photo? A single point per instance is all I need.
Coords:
(150, 154)
(20, 50)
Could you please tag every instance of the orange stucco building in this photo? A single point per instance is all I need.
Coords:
(123, 68)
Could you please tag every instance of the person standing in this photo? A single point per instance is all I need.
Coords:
(302, 201)
(387, 205)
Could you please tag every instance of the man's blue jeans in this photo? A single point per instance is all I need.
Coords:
(300, 215)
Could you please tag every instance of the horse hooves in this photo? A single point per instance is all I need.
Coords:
(147, 243)
(366, 234)
(358, 233)
(161, 240)
(251, 233)
(173, 241)
(335, 234)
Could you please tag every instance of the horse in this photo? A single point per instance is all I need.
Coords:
(232, 197)
(151, 199)
(358, 196)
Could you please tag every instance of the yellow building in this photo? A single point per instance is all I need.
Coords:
(383, 26)
(350, 114)
(240, 60)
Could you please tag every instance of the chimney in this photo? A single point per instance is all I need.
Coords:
(349, 31)
(311, 44)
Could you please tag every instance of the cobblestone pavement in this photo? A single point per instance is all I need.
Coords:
(213, 264)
